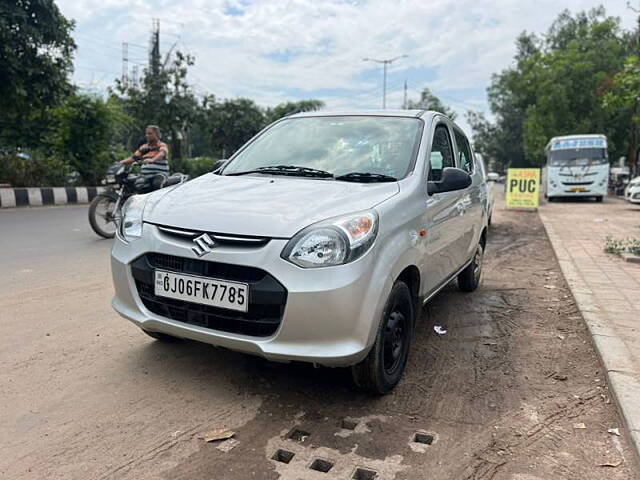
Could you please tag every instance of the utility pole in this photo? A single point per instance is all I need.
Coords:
(385, 63)
(154, 48)
(404, 102)
(134, 76)
(125, 64)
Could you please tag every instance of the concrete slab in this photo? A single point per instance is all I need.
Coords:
(606, 290)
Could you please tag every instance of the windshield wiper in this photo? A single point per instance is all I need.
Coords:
(366, 177)
(292, 170)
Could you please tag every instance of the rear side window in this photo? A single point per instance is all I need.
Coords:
(465, 161)
(441, 153)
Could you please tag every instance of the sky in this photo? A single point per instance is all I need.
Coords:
(277, 50)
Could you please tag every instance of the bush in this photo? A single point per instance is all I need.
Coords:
(618, 247)
(194, 167)
(36, 171)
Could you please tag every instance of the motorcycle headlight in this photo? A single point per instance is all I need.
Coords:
(333, 242)
(132, 210)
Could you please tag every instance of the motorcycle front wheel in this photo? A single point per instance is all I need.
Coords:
(102, 215)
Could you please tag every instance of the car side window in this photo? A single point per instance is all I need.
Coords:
(441, 153)
(465, 161)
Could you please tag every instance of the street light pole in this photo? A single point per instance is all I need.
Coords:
(385, 63)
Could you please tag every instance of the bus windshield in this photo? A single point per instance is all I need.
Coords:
(577, 157)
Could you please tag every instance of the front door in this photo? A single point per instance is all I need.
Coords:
(441, 217)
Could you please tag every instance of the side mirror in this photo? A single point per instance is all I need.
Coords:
(219, 165)
(452, 179)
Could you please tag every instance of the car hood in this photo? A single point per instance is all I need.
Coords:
(261, 205)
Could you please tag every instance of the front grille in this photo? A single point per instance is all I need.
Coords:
(576, 184)
(267, 297)
(588, 174)
(242, 241)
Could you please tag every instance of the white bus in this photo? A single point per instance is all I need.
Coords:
(577, 166)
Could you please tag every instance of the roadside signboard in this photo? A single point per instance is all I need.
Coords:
(523, 186)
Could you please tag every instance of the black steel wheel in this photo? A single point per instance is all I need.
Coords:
(385, 363)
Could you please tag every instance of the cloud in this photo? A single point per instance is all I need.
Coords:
(272, 50)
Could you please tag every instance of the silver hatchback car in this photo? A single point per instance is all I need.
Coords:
(318, 241)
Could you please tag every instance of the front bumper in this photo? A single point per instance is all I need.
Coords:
(633, 196)
(330, 316)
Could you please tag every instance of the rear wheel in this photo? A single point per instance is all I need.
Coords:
(469, 278)
(102, 215)
(163, 337)
(383, 367)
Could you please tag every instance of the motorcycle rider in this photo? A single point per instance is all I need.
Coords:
(153, 156)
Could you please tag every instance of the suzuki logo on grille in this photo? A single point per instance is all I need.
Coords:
(203, 245)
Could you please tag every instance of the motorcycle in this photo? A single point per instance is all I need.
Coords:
(121, 183)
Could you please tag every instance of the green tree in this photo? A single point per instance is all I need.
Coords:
(428, 101)
(82, 132)
(488, 140)
(623, 95)
(163, 98)
(555, 86)
(35, 62)
(230, 123)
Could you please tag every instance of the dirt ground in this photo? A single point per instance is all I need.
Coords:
(504, 393)
(513, 390)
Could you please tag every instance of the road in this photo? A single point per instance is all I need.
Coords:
(503, 395)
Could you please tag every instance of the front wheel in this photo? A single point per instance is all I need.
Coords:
(599, 199)
(102, 215)
(383, 367)
(469, 278)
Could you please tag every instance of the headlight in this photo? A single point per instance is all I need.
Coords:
(332, 242)
(131, 225)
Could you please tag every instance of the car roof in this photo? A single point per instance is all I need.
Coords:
(367, 113)
(426, 115)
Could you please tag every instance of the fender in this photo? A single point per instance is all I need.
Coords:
(397, 252)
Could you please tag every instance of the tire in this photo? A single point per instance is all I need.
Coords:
(99, 221)
(385, 363)
(469, 278)
(163, 337)
(599, 199)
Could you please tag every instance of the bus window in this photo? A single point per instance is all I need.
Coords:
(578, 157)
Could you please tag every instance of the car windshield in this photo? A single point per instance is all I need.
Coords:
(376, 146)
(577, 157)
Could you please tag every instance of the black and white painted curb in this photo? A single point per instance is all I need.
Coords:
(37, 196)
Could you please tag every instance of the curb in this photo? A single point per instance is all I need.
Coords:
(38, 196)
(622, 374)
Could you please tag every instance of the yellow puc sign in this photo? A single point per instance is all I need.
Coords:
(523, 187)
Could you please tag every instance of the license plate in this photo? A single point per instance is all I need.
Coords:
(578, 189)
(202, 290)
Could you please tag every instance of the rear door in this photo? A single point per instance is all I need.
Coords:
(473, 199)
